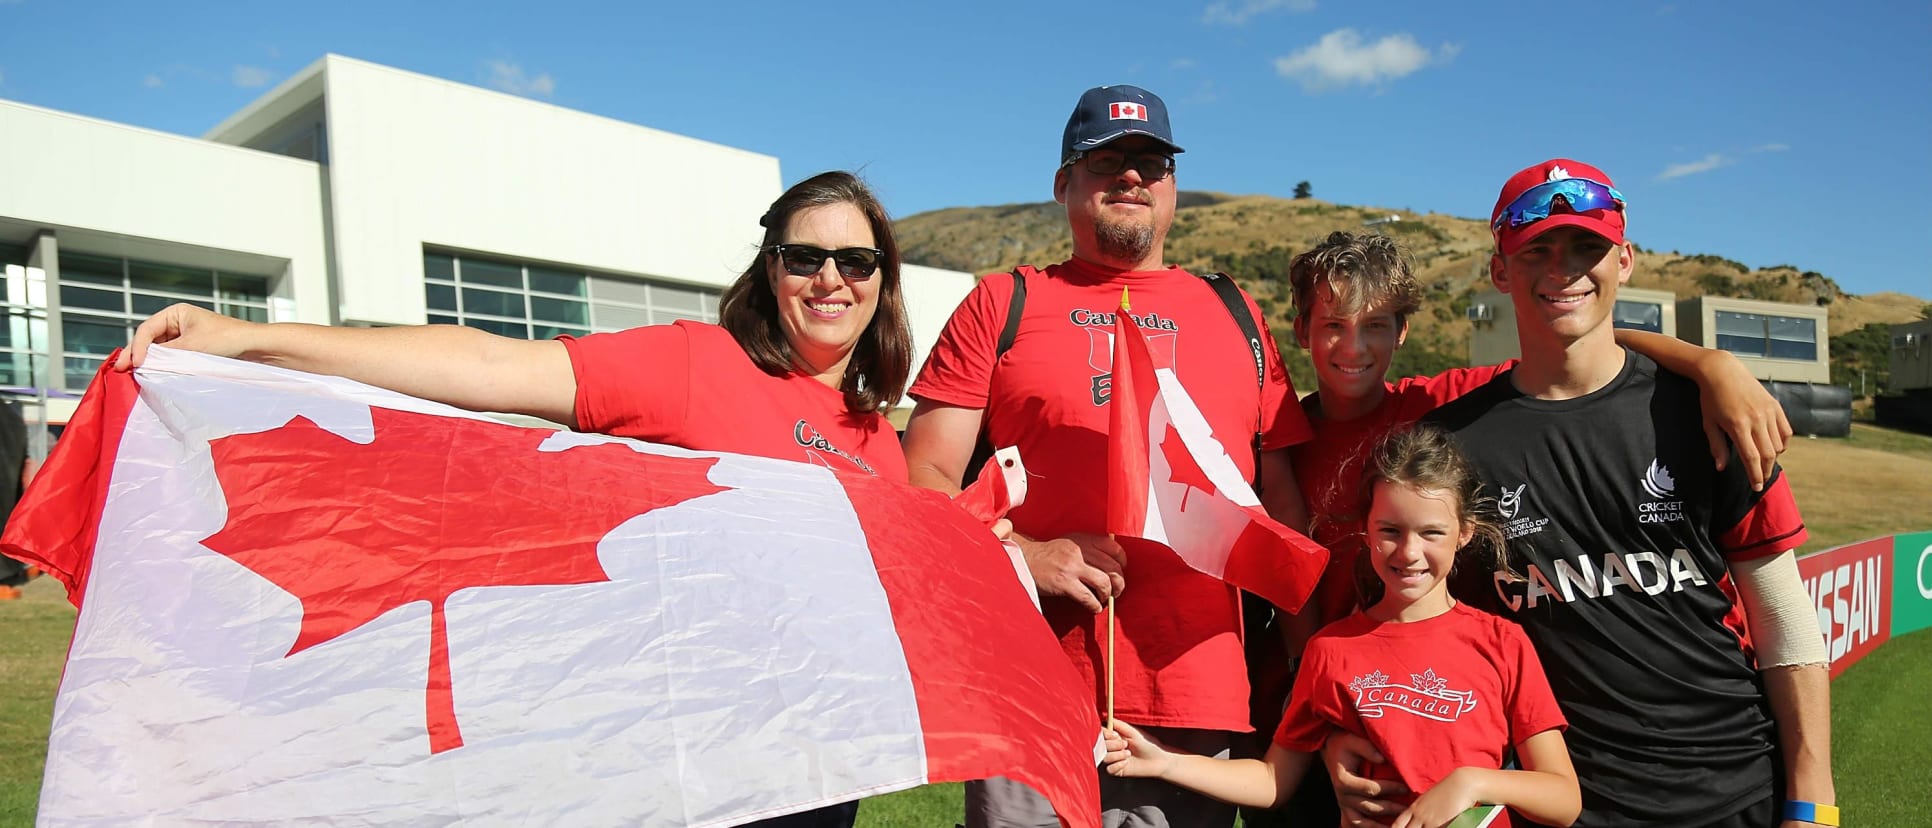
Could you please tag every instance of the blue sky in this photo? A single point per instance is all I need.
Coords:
(1769, 132)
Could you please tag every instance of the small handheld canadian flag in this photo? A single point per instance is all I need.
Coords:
(1170, 481)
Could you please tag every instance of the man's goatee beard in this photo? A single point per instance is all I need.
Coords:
(1124, 241)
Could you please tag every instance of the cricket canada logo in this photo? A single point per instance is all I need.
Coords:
(1426, 695)
(1665, 508)
(1658, 482)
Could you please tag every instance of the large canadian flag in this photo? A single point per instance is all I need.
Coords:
(1171, 482)
(307, 600)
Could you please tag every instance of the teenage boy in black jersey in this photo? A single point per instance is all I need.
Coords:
(1627, 543)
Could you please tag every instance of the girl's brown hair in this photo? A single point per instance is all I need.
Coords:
(1426, 458)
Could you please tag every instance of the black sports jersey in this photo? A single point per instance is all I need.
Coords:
(1619, 529)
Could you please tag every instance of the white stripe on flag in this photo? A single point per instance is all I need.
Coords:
(1210, 524)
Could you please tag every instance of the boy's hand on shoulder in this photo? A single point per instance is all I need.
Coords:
(1739, 413)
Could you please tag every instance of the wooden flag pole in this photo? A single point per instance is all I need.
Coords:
(1110, 662)
(1124, 307)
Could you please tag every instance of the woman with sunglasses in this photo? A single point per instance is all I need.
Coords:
(812, 345)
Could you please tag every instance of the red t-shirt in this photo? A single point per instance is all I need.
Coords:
(1328, 469)
(689, 384)
(1451, 691)
(1177, 643)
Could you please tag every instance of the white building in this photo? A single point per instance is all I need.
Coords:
(358, 194)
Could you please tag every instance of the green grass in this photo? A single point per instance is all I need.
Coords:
(1881, 734)
(33, 644)
(940, 806)
(1890, 440)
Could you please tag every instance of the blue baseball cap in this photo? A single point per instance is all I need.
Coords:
(1106, 113)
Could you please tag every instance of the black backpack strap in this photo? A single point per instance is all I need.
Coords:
(1230, 294)
(1015, 307)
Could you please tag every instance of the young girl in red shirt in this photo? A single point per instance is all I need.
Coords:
(1444, 691)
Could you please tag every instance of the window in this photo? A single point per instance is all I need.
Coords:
(103, 298)
(531, 301)
(1639, 316)
(1767, 335)
(23, 320)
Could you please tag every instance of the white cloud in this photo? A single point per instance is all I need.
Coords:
(1340, 59)
(1716, 160)
(153, 81)
(1701, 165)
(1230, 14)
(1181, 63)
(509, 77)
(250, 77)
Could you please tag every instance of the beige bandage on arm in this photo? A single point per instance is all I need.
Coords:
(1784, 629)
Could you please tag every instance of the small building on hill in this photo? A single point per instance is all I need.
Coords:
(1778, 341)
(1911, 368)
(1909, 403)
(1492, 338)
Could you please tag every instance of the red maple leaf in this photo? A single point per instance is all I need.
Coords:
(430, 506)
(1182, 467)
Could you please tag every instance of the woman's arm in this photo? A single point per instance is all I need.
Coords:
(1254, 783)
(459, 366)
(1545, 790)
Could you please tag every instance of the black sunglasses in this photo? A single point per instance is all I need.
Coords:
(851, 262)
(1151, 166)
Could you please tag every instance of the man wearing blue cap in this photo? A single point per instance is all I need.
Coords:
(1026, 360)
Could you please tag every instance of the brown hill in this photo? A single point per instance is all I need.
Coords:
(1254, 237)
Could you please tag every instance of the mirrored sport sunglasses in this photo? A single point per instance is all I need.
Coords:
(856, 263)
(1578, 194)
(1151, 166)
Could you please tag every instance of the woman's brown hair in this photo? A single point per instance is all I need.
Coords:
(881, 361)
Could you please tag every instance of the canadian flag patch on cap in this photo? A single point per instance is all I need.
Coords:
(1127, 111)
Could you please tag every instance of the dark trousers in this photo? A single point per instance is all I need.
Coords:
(12, 572)
(841, 815)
